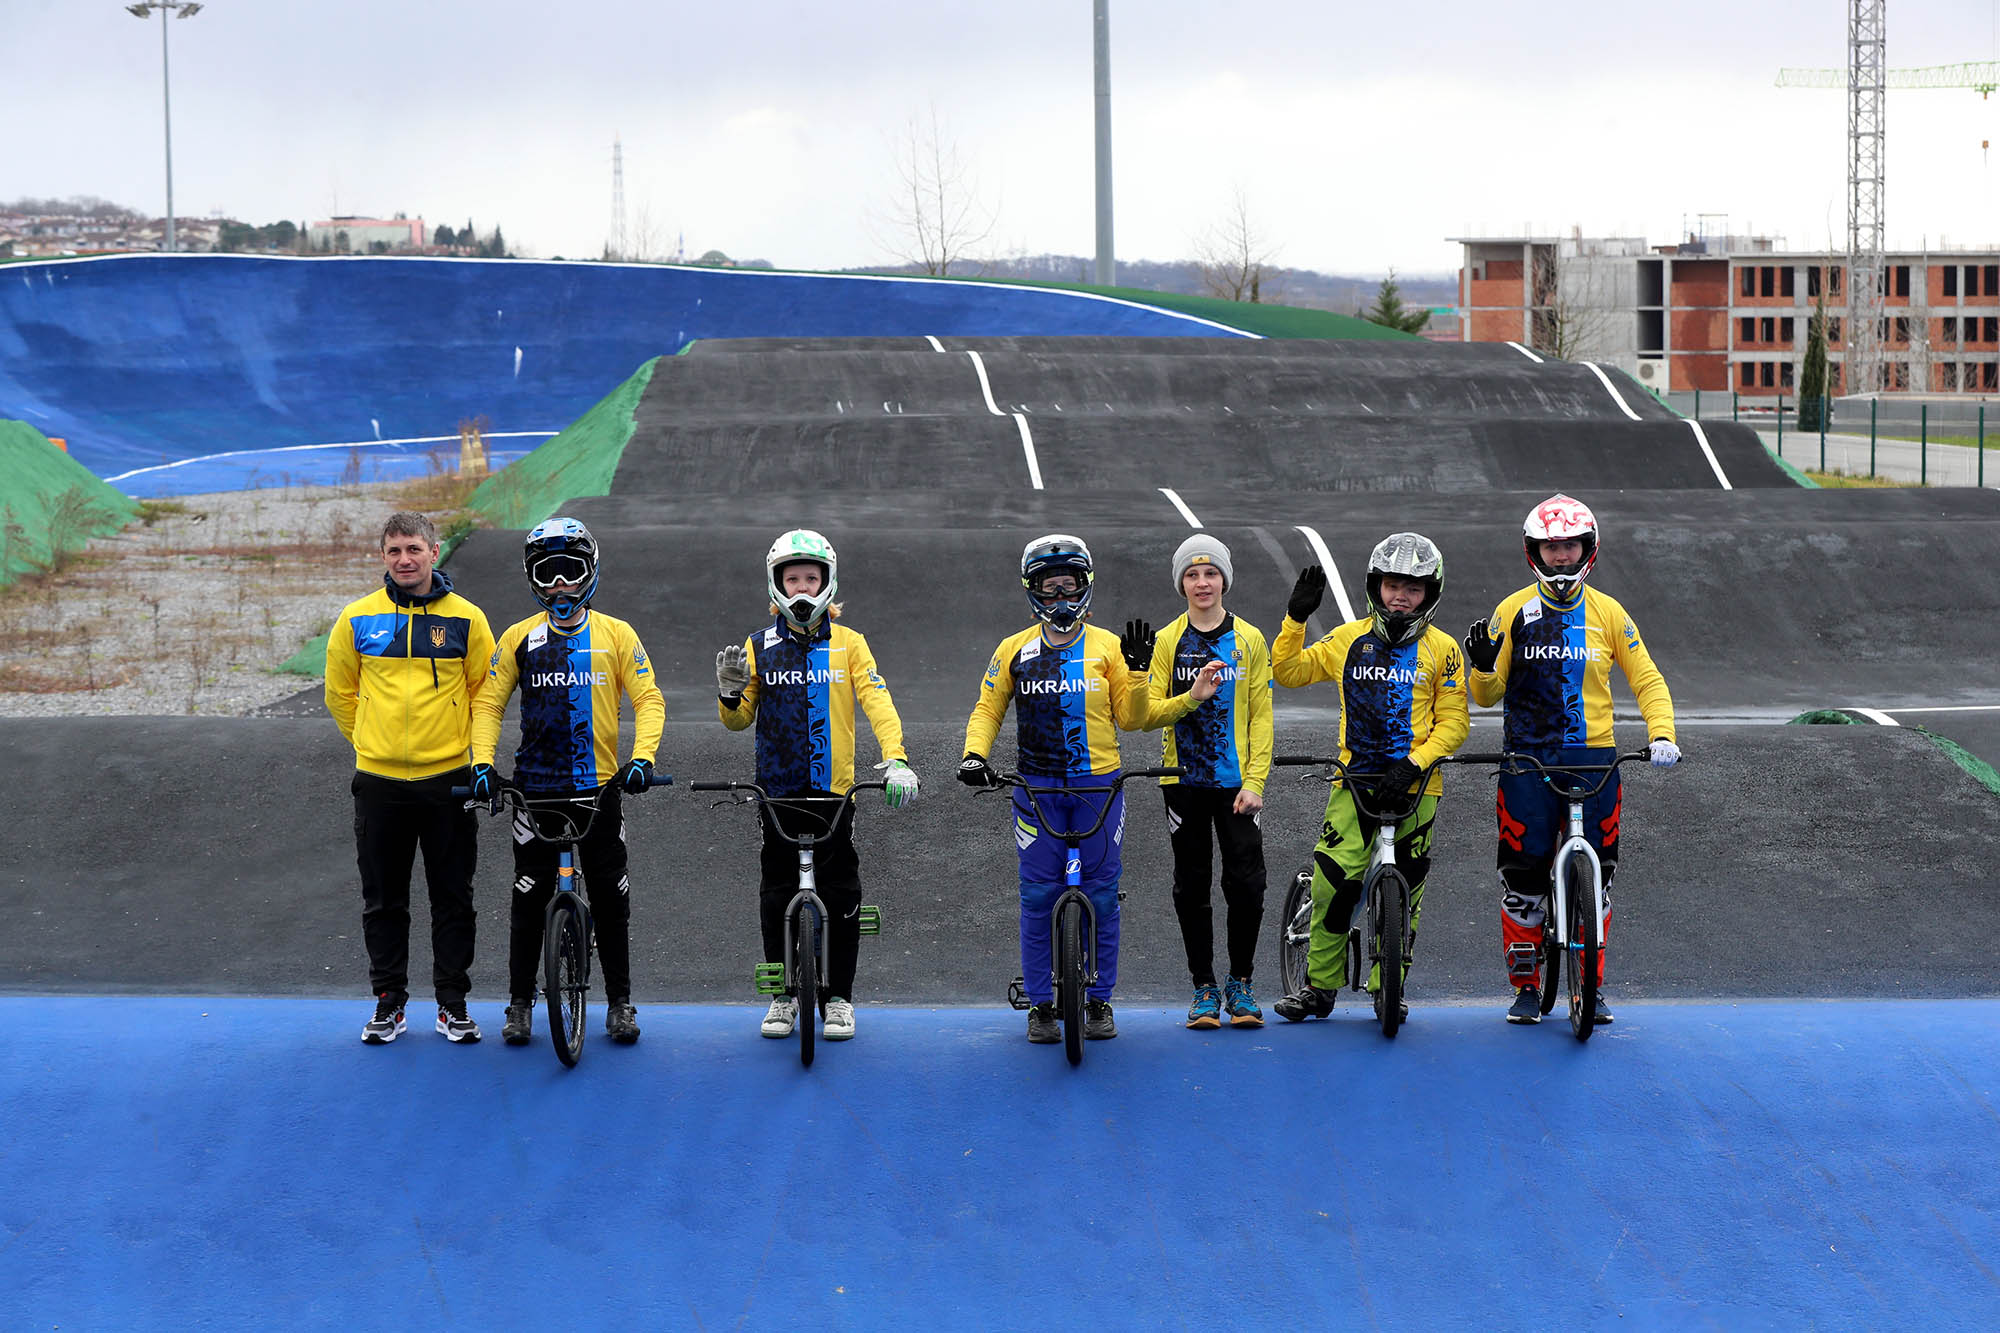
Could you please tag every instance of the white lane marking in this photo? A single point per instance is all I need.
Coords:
(517, 363)
(1609, 388)
(1701, 439)
(1954, 708)
(342, 444)
(985, 389)
(1876, 715)
(1525, 352)
(1332, 572)
(1181, 505)
(1028, 448)
(934, 342)
(839, 407)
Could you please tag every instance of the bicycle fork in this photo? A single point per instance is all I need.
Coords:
(1575, 845)
(775, 978)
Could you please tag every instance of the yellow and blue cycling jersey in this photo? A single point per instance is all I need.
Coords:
(1069, 703)
(571, 682)
(802, 695)
(1554, 671)
(1226, 740)
(401, 671)
(1394, 701)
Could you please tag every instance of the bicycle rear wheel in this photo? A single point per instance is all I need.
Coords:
(1391, 929)
(1069, 981)
(566, 975)
(1586, 946)
(1553, 955)
(1295, 933)
(805, 979)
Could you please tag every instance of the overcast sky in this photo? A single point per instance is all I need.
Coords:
(1359, 135)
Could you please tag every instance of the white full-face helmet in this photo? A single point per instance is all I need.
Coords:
(1410, 555)
(1556, 519)
(802, 546)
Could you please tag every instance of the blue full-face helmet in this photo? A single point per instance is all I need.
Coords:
(561, 550)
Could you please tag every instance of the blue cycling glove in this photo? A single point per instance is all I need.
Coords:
(485, 782)
(636, 776)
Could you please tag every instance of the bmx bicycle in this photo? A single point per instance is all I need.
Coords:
(1073, 918)
(567, 936)
(802, 974)
(1573, 924)
(1378, 931)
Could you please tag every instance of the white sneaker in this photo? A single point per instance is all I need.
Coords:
(839, 1024)
(781, 1017)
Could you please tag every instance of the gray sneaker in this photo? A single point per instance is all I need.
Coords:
(1098, 1024)
(621, 1022)
(520, 1024)
(387, 1025)
(1043, 1030)
(455, 1023)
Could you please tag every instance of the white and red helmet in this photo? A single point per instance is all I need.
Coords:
(1558, 519)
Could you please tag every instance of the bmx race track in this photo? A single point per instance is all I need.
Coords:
(1791, 1124)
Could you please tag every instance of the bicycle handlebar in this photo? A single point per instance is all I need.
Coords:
(759, 797)
(1544, 769)
(1353, 777)
(1033, 791)
(510, 795)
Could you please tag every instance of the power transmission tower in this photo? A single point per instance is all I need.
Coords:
(617, 197)
(1865, 78)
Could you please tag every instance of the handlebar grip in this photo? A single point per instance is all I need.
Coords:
(1299, 761)
(1173, 771)
(659, 780)
(711, 786)
(461, 793)
(1481, 758)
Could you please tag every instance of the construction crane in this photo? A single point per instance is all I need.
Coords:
(1982, 76)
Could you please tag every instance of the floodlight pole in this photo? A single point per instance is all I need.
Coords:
(1106, 261)
(186, 9)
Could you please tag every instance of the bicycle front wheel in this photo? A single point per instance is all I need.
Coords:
(1295, 933)
(1586, 948)
(1069, 981)
(1392, 941)
(566, 976)
(805, 980)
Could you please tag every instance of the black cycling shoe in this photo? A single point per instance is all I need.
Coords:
(1306, 1002)
(621, 1022)
(1602, 1014)
(1527, 1006)
(1043, 1030)
(520, 1024)
(1098, 1025)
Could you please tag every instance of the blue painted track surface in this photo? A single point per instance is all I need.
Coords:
(147, 360)
(250, 1164)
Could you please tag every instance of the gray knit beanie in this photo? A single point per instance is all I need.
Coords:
(1202, 549)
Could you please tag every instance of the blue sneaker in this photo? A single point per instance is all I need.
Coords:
(1206, 1011)
(1241, 1004)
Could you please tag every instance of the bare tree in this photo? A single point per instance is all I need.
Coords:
(937, 215)
(1233, 259)
(642, 240)
(1574, 302)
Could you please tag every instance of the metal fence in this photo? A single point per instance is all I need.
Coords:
(1927, 441)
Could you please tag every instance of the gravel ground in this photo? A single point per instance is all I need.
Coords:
(192, 612)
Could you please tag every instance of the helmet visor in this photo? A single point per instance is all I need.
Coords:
(545, 571)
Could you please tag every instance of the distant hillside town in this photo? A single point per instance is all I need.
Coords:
(45, 228)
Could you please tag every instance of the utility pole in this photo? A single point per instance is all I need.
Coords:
(617, 197)
(186, 9)
(1107, 264)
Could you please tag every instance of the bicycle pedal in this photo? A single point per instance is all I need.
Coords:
(1017, 993)
(871, 919)
(770, 978)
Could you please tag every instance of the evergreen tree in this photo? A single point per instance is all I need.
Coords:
(1815, 409)
(1390, 312)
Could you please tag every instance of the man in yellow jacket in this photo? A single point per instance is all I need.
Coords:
(402, 667)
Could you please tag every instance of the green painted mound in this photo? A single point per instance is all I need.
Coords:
(50, 504)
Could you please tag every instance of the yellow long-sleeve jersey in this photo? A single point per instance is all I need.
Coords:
(1554, 671)
(571, 682)
(1069, 703)
(1225, 741)
(1394, 701)
(802, 696)
(401, 672)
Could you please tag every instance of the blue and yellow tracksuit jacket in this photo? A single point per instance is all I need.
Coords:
(802, 696)
(571, 682)
(1226, 741)
(401, 672)
(1394, 701)
(1069, 703)
(1554, 671)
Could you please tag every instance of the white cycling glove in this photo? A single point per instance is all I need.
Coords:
(732, 670)
(1665, 754)
(903, 784)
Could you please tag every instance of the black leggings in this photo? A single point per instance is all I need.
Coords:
(1199, 819)
(601, 855)
(837, 874)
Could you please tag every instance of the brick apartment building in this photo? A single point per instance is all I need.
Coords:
(1730, 313)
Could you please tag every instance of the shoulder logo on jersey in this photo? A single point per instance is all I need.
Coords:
(771, 637)
(1531, 612)
(1031, 649)
(538, 636)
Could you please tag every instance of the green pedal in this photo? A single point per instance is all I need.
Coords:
(770, 978)
(871, 920)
